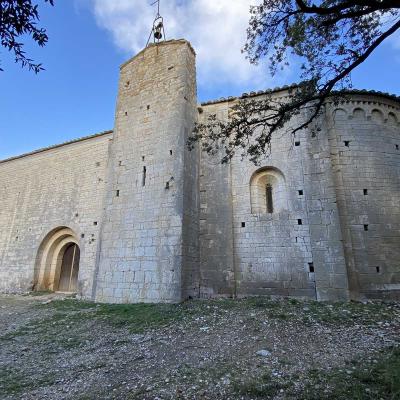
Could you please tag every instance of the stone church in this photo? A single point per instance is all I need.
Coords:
(131, 215)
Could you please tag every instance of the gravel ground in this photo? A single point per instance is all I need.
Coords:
(57, 348)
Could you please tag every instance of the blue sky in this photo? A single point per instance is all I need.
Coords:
(75, 96)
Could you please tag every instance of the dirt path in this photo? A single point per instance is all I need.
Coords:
(52, 348)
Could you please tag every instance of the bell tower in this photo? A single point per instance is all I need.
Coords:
(149, 234)
(158, 29)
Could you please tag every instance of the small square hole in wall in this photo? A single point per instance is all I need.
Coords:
(397, 146)
(365, 191)
(126, 113)
(82, 235)
(117, 193)
(378, 269)
(97, 164)
(142, 158)
(243, 224)
(299, 222)
(311, 267)
(297, 143)
(76, 215)
(148, 107)
(300, 193)
(170, 152)
(347, 143)
(95, 223)
(365, 227)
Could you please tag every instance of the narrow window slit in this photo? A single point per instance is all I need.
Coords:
(365, 227)
(299, 222)
(378, 270)
(300, 193)
(243, 224)
(144, 177)
(311, 267)
(347, 143)
(117, 193)
(365, 192)
(268, 194)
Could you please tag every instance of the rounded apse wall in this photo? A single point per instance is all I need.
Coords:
(365, 142)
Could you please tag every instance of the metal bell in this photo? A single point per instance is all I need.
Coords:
(158, 31)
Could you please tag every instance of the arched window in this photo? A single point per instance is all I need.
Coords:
(267, 191)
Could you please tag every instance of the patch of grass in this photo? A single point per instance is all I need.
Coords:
(39, 293)
(348, 313)
(13, 382)
(139, 317)
(363, 380)
(343, 313)
(69, 305)
(265, 386)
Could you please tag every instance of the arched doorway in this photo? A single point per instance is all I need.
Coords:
(69, 269)
(57, 262)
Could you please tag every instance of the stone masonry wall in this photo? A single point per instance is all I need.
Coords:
(217, 268)
(149, 234)
(364, 135)
(318, 218)
(296, 250)
(43, 191)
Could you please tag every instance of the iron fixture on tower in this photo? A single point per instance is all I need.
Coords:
(157, 31)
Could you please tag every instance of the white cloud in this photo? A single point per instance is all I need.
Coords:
(216, 29)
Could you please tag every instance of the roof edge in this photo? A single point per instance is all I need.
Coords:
(293, 86)
(43, 149)
(165, 43)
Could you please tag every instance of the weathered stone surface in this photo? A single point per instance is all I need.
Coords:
(155, 222)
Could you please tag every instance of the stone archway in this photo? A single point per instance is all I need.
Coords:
(57, 261)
